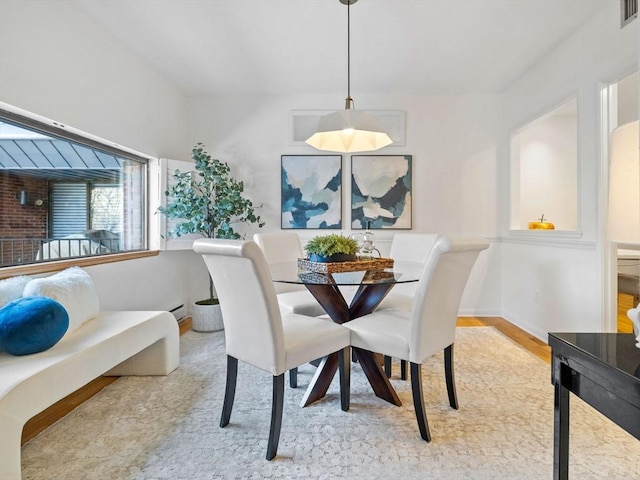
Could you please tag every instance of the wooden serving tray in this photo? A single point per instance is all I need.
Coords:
(337, 267)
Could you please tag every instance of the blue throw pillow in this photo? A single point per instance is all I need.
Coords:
(31, 325)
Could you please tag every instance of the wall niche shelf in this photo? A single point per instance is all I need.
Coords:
(558, 238)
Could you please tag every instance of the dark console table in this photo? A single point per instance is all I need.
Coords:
(603, 369)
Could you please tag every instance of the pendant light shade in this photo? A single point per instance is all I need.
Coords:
(349, 130)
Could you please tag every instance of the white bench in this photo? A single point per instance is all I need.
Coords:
(113, 343)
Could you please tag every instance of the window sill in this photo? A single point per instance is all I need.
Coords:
(47, 267)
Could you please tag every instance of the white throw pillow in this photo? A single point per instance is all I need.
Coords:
(11, 289)
(74, 289)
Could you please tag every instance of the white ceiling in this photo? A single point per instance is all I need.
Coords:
(222, 47)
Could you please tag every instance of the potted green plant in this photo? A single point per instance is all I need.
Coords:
(331, 248)
(210, 204)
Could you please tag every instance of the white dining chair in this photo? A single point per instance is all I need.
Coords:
(409, 247)
(280, 248)
(285, 247)
(257, 333)
(430, 325)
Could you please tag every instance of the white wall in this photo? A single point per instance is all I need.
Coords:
(451, 139)
(555, 283)
(98, 86)
(57, 62)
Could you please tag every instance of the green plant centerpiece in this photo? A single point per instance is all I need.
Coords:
(208, 203)
(331, 248)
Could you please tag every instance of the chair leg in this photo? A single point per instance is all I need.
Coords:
(344, 365)
(387, 366)
(418, 401)
(293, 377)
(449, 375)
(276, 415)
(230, 390)
(403, 369)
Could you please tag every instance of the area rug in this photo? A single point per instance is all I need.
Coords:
(153, 428)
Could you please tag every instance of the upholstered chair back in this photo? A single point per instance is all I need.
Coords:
(250, 312)
(411, 247)
(437, 299)
(282, 247)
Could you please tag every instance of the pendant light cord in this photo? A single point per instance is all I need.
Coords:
(349, 100)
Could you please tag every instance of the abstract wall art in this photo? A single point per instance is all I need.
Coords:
(311, 191)
(381, 191)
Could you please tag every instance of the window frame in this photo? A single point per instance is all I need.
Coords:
(55, 129)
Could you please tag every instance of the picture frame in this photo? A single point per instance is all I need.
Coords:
(311, 192)
(381, 192)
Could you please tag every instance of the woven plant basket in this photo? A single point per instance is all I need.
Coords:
(337, 267)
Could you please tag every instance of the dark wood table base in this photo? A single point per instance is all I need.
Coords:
(366, 299)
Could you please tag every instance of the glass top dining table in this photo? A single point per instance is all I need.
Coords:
(372, 287)
(402, 272)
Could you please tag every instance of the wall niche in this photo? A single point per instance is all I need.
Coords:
(544, 170)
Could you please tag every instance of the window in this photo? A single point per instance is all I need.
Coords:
(66, 196)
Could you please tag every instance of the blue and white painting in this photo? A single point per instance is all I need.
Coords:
(381, 191)
(312, 191)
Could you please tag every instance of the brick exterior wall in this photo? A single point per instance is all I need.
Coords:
(21, 221)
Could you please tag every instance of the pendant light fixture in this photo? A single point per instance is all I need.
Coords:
(349, 130)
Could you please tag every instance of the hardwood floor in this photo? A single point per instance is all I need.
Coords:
(52, 414)
(58, 410)
(625, 302)
(526, 340)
